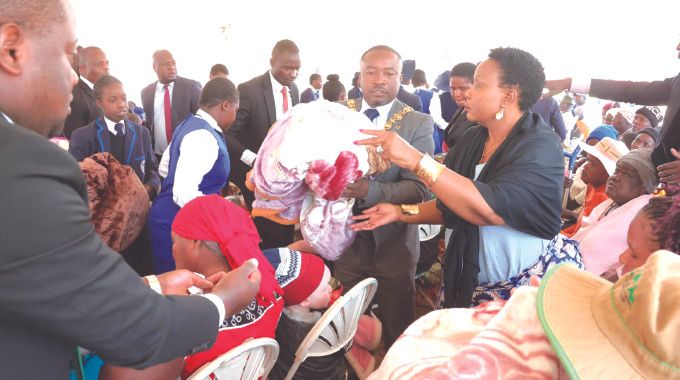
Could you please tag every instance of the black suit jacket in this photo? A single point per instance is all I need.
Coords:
(94, 138)
(665, 92)
(62, 287)
(83, 108)
(185, 96)
(256, 114)
(411, 100)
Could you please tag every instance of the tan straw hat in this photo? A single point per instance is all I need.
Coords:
(626, 330)
(608, 151)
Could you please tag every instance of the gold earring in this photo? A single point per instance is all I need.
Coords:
(501, 113)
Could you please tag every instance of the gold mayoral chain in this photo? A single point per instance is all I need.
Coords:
(352, 104)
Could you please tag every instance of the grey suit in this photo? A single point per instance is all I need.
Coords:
(665, 92)
(62, 287)
(390, 253)
(185, 96)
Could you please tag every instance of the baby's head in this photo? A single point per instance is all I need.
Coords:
(309, 285)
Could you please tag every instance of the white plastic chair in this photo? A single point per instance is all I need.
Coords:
(337, 325)
(251, 360)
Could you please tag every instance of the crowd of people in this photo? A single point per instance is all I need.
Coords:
(527, 193)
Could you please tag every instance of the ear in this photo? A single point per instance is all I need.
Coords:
(99, 103)
(12, 48)
(226, 105)
(271, 62)
(305, 303)
(511, 95)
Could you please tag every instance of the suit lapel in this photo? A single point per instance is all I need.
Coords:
(102, 135)
(130, 140)
(177, 99)
(269, 97)
(86, 89)
(295, 93)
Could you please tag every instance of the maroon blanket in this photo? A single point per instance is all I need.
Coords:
(118, 201)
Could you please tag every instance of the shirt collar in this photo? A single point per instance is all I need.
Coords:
(111, 125)
(206, 116)
(276, 86)
(159, 86)
(383, 110)
(87, 82)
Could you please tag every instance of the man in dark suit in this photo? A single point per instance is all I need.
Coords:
(168, 101)
(666, 92)
(92, 66)
(388, 253)
(61, 286)
(355, 91)
(263, 100)
(311, 93)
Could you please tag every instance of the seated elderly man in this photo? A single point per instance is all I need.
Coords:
(211, 235)
(602, 235)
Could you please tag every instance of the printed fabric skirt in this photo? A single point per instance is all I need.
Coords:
(560, 250)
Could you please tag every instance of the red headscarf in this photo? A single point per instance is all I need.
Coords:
(214, 218)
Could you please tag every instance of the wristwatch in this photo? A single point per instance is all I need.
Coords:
(410, 209)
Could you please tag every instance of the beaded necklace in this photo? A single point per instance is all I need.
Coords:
(352, 104)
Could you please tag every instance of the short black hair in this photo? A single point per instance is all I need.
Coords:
(465, 70)
(219, 68)
(418, 79)
(332, 88)
(285, 46)
(314, 77)
(383, 48)
(218, 90)
(35, 16)
(103, 83)
(521, 69)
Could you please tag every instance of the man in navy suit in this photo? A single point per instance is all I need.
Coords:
(311, 93)
(92, 65)
(263, 100)
(168, 101)
(130, 144)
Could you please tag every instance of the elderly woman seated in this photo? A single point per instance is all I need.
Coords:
(602, 235)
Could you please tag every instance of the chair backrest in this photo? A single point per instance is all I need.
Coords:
(336, 327)
(249, 361)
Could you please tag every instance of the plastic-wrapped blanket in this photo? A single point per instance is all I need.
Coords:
(303, 166)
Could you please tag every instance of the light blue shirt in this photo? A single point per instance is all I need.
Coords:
(505, 251)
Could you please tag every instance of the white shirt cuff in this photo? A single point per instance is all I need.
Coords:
(248, 157)
(580, 85)
(218, 304)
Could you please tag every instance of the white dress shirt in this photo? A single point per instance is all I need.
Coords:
(383, 112)
(160, 138)
(111, 125)
(87, 82)
(248, 157)
(435, 108)
(198, 153)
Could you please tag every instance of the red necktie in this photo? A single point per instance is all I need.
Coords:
(168, 113)
(284, 91)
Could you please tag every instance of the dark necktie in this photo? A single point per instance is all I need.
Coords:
(168, 113)
(119, 129)
(316, 95)
(372, 114)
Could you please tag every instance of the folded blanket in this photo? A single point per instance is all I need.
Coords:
(119, 203)
(303, 166)
(496, 340)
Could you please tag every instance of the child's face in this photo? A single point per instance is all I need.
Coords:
(640, 243)
(322, 295)
(114, 103)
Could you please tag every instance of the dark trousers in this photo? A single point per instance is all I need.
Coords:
(395, 296)
(272, 234)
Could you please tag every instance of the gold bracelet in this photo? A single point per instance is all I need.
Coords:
(154, 284)
(429, 170)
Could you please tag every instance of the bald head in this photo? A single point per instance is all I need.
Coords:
(93, 63)
(37, 42)
(33, 16)
(165, 66)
